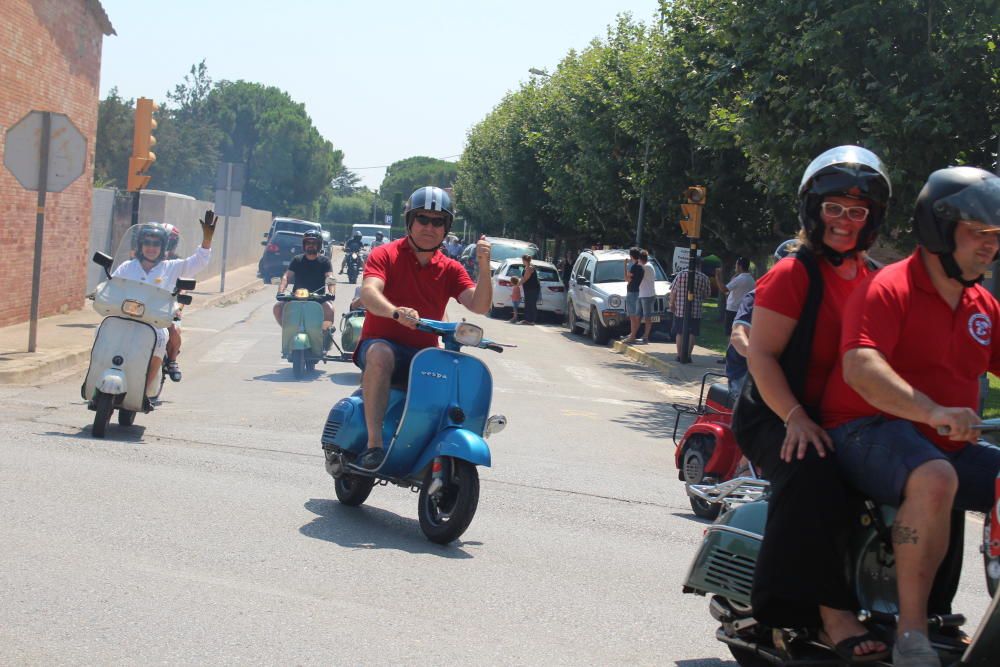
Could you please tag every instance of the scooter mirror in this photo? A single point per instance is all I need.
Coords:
(103, 260)
(184, 299)
(186, 283)
(495, 424)
(468, 334)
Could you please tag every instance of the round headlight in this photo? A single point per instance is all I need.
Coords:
(615, 301)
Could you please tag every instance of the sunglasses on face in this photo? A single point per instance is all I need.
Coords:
(428, 220)
(854, 213)
(979, 229)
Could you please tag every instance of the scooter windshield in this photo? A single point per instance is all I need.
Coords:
(147, 250)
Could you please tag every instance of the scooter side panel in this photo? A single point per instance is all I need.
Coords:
(727, 558)
(132, 340)
(439, 379)
(457, 443)
(345, 425)
(304, 316)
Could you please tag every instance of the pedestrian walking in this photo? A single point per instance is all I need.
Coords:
(679, 303)
(515, 296)
(530, 289)
(736, 289)
(647, 294)
(633, 275)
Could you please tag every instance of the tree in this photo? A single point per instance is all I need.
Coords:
(405, 176)
(114, 140)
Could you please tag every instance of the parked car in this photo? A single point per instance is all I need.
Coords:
(292, 225)
(500, 249)
(278, 252)
(551, 298)
(595, 301)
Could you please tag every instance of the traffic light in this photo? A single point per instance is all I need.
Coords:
(691, 210)
(142, 143)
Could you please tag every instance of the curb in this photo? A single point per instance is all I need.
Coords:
(69, 359)
(670, 371)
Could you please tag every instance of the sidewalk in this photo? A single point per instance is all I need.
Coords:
(662, 356)
(63, 342)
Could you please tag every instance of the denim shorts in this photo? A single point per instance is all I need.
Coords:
(632, 304)
(516, 303)
(402, 353)
(694, 328)
(877, 455)
(646, 305)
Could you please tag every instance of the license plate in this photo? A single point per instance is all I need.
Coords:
(654, 318)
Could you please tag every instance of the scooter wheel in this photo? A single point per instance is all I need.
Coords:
(448, 513)
(126, 417)
(299, 363)
(104, 404)
(353, 490)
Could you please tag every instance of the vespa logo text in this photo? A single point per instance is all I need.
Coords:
(432, 374)
(980, 328)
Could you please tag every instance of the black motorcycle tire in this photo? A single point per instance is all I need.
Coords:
(104, 404)
(298, 363)
(126, 417)
(352, 490)
(444, 519)
(310, 366)
(698, 446)
(747, 658)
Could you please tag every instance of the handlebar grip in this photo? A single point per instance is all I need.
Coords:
(494, 347)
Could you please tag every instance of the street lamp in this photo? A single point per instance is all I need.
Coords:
(539, 72)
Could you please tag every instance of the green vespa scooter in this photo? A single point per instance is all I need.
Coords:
(304, 342)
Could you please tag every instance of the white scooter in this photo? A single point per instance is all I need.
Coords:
(124, 346)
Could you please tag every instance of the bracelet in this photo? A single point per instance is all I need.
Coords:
(789, 415)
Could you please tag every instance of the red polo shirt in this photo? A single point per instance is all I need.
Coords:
(939, 351)
(426, 289)
(783, 289)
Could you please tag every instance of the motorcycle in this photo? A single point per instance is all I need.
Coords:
(724, 567)
(355, 263)
(125, 342)
(436, 430)
(304, 342)
(350, 331)
(707, 453)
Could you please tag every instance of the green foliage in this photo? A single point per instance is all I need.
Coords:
(407, 175)
(114, 140)
(739, 101)
(350, 210)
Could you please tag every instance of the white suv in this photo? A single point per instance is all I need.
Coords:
(595, 302)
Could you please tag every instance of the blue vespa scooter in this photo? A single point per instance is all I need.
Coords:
(435, 433)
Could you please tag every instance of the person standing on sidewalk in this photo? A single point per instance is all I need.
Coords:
(515, 297)
(679, 303)
(531, 289)
(633, 276)
(647, 295)
(736, 289)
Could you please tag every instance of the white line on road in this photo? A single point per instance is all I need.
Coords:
(546, 394)
(522, 371)
(591, 377)
(230, 351)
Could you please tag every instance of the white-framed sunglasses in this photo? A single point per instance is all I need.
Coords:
(854, 213)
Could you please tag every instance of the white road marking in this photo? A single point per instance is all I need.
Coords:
(522, 371)
(567, 397)
(185, 329)
(592, 377)
(230, 351)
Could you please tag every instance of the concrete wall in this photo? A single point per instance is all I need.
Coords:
(112, 218)
(50, 60)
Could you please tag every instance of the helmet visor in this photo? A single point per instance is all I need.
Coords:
(977, 202)
(852, 159)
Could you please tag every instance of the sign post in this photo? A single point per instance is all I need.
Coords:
(45, 152)
(229, 179)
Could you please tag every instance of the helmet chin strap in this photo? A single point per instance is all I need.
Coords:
(419, 249)
(953, 271)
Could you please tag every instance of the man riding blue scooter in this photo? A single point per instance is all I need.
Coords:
(404, 280)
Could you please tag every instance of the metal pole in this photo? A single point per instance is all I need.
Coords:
(685, 354)
(225, 225)
(642, 197)
(43, 186)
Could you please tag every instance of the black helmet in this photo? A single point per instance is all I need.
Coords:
(950, 195)
(429, 198)
(150, 231)
(312, 235)
(356, 234)
(379, 234)
(848, 171)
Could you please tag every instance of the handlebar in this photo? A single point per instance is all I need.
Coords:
(318, 298)
(985, 426)
(447, 330)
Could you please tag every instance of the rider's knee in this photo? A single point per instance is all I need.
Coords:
(935, 481)
(379, 358)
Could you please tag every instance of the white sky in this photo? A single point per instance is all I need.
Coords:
(383, 80)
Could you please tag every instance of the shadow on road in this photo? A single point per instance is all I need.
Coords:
(367, 527)
(114, 433)
(691, 516)
(288, 375)
(706, 662)
(346, 379)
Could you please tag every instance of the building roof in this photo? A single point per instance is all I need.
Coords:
(102, 17)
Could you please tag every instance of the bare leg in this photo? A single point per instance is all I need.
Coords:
(173, 342)
(920, 538)
(634, 327)
(379, 364)
(649, 328)
(328, 315)
(278, 307)
(153, 375)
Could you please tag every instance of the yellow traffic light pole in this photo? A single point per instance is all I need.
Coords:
(695, 197)
(142, 157)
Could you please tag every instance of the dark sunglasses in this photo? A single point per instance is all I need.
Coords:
(427, 220)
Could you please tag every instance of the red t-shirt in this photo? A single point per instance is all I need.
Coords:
(783, 289)
(408, 284)
(943, 354)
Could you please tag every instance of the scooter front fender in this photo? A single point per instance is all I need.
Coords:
(301, 341)
(457, 443)
(113, 382)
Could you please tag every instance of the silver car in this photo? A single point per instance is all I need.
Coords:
(595, 301)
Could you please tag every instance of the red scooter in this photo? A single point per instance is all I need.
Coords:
(707, 456)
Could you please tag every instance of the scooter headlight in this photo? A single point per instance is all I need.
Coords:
(301, 293)
(468, 334)
(133, 308)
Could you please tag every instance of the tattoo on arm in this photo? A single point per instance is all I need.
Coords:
(903, 534)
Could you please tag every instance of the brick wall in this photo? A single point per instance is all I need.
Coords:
(50, 61)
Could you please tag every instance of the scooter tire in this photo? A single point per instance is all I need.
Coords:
(104, 404)
(445, 518)
(695, 457)
(126, 417)
(299, 364)
(352, 276)
(352, 490)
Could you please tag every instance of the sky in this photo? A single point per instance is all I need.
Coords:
(382, 80)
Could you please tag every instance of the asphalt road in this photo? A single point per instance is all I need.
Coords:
(209, 532)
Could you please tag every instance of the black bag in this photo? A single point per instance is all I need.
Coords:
(751, 415)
